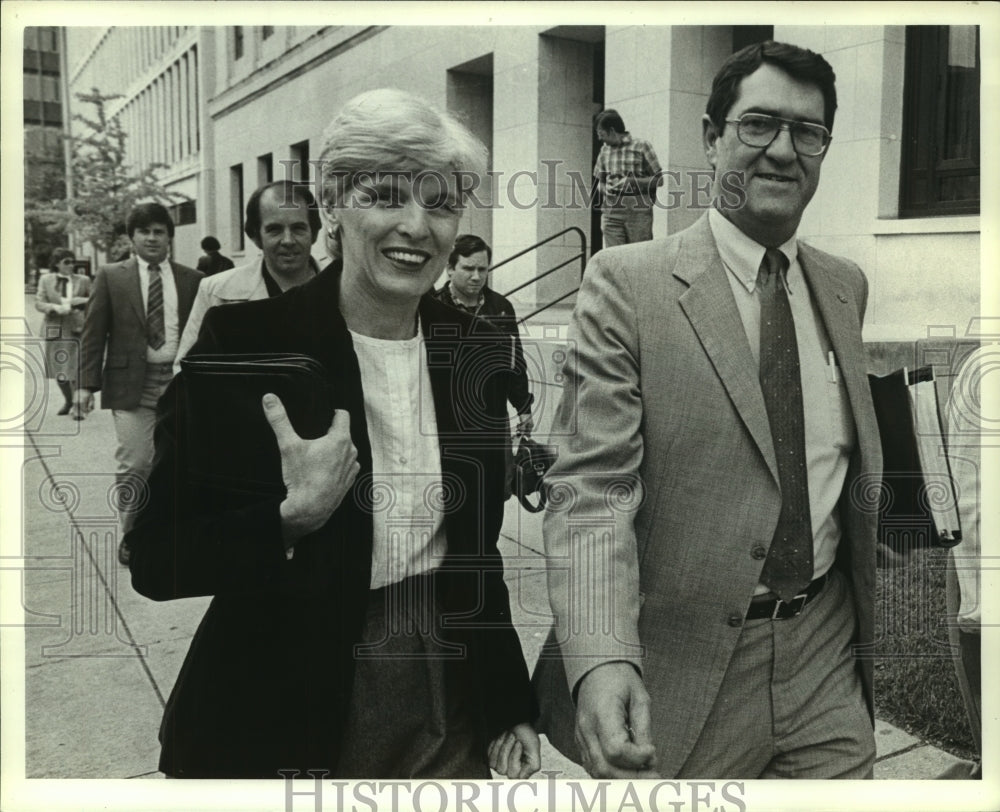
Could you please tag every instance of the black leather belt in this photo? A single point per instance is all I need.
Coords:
(777, 609)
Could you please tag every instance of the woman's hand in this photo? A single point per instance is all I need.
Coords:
(317, 473)
(516, 752)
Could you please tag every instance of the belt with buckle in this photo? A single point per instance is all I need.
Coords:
(777, 609)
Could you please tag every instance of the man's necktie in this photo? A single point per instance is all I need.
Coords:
(61, 284)
(155, 331)
(789, 564)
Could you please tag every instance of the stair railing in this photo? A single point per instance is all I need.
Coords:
(580, 257)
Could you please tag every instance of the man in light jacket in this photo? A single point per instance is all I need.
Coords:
(283, 222)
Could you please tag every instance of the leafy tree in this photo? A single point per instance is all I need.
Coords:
(104, 188)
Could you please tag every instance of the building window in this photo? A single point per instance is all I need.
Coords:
(265, 169)
(300, 161)
(32, 87)
(236, 206)
(50, 88)
(940, 156)
(237, 42)
(184, 214)
(266, 31)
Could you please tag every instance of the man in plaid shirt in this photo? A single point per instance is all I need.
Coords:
(627, 173)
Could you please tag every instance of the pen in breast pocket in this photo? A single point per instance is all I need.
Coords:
(831, 366)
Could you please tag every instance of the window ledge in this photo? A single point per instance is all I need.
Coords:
(956, 224)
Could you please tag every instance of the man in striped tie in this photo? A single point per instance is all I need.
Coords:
(135, 316)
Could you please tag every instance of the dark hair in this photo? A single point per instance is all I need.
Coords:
(146, 214)
(609, 120)
(466, 245)
(287, 190)
(59, 255)
(799, 63)
(210, 244)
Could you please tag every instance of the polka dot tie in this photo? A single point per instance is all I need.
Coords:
(788, 567)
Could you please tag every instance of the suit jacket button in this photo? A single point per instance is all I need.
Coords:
(735, 620)
(758, 552)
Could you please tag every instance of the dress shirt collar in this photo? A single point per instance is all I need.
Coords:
(144, 266)
(740, 254)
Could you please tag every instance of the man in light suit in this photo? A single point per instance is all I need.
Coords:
(135, 316)
(691, 640)
(283, 221)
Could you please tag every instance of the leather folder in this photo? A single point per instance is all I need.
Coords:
(228, 443)
(918, 507)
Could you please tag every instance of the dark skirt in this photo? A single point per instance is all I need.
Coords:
(413, 713)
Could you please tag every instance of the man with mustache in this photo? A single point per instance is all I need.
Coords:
(283, 222)
(711, 552)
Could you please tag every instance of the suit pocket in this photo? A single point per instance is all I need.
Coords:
(841, 419)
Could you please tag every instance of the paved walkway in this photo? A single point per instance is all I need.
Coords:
(100, 660)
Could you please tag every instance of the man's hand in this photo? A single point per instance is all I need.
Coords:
(83, 403)
(317, 473)
(516, 752)
(525, 424)
(612, 723)
(62, 309)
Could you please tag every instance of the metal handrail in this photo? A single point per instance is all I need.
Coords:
(582, 257)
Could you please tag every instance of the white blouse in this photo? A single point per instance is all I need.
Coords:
(406, 490)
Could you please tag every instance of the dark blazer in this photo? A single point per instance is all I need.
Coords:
(116, 322)
(663, 409)
(213, 263)
(499, 312)
(268, 677)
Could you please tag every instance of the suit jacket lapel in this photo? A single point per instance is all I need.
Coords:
(711, 309)
(839, 309)
(133, 290)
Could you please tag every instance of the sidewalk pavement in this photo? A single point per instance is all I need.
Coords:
(100, 660)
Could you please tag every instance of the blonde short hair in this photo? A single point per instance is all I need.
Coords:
(390, 130)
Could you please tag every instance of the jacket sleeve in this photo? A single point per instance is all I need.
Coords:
(96, 324)
(182, 546)
(42, 303)
(593, 488)
(202, 302)
(520, 393)
(507, 695)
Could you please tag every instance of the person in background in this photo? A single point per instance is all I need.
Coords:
(965, 421)
(62, 296)
(360, 623)
(711, 566)
(212, 262)
(467, 289)
(282, 219)
(627, 173)
(135, 316)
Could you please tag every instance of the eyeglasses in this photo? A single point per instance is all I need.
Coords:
(759, 131)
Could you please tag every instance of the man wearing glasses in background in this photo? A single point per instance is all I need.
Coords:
(719, 434)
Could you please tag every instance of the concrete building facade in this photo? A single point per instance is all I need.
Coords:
(227, 108)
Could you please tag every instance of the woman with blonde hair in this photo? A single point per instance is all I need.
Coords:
(360, 624)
